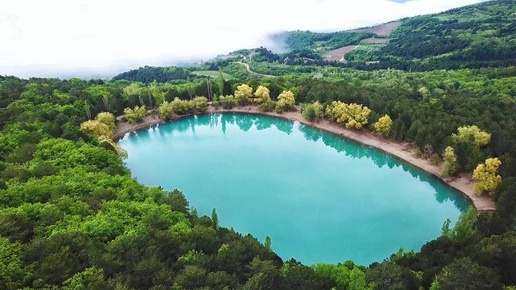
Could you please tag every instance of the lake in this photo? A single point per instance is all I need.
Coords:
(319, 197)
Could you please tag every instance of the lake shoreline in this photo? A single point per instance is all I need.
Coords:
(402, 151)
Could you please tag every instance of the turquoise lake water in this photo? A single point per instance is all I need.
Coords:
(320, 198)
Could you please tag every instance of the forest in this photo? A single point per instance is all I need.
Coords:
(72, 217)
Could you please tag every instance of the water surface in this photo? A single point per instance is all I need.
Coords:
(320, 198)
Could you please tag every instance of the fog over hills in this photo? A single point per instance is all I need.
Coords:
(94, 38)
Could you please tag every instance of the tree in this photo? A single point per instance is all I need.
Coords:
(450, 166)
(96, 129)
(286, 101)
(135, 115)
(107, 119)
(181, 107)
(11, 266)
(351, 115)
(215, 218)
(268, 243)
(154, 91)
(166, 110)
(262, 95)
(485, 176)
(199, 104)
(133, 90)
(466, 274)
(242, 94)
(472, 134)
(227, 102)
(384, 125)
(313, 112)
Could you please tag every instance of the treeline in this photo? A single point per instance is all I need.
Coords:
(308, 40)
(148, 74)
(71, 216)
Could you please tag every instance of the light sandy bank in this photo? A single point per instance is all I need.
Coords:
(406, 153)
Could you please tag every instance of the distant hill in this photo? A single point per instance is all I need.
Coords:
(148, 74)
(480, 35)
(472, 36)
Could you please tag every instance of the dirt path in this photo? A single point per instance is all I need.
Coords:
(399, 150)
(248, 68)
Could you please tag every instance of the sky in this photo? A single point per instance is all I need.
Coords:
(100, 38)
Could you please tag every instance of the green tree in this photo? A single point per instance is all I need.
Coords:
(11, 265)
(465, 274)
(313, 112)
(384, 125)
(486, 176)
(227, 102)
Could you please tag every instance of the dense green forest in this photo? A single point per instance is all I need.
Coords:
(72, 217)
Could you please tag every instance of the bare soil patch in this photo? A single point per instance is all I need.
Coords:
(381, 30)
(374, 40)
(338, 54)
(406, 153)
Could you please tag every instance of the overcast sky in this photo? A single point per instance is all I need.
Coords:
(60, 38)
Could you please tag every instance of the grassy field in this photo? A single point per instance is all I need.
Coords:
(213, 74)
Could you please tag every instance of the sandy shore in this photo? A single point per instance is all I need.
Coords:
(463, 183)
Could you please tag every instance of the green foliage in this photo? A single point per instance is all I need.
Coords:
(321, 41)
(227, 102)
(466, 274)
(313, 112)
(148, 74)
(136, 114)
(450, 166)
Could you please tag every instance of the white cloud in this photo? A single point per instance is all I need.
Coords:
(59, 37)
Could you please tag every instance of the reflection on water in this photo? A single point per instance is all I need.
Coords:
(321, 198)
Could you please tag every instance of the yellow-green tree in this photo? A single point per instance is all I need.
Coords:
(199, 104)
(242, 94)
(262, 95)
(450, 166)
(96, 129)
(181, 107)
(384, 125)
(135, 115)
(472, 134)
(166, 110)
(286, 101)
(350, 115)
(486, 176)
(108, 119)
(227, 102)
